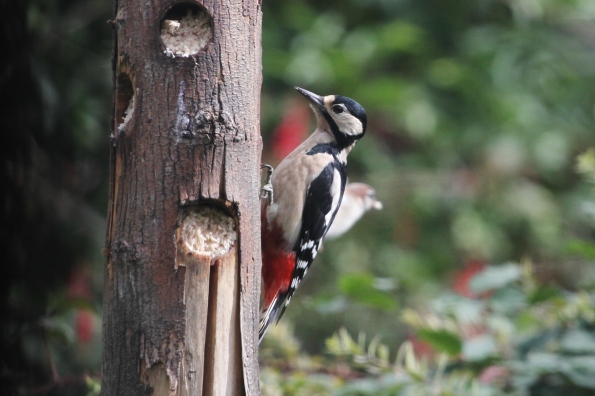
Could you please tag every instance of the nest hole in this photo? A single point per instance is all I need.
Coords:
(186, 29)
(208, 230)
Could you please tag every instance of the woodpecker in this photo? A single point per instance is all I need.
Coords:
(307, 189)
(357, 200)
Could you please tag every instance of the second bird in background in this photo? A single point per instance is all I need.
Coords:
(357, 200)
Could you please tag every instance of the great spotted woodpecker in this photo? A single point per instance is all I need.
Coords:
(305, 193)
(357, 200)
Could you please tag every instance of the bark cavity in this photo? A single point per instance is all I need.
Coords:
(208, 231)
(124, 101)
(186, 29)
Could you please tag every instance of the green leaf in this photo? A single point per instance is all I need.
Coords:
(479, 348)
(578, 341)
(508, 300)
(585, 163)
(361, 289)
(581, 371)
(495, 277)
(330, 305)
(526, 322)
(544, 362)
(385, 385)
(58, 329)
(584, 249)
(60, 305)
(544, 293)
(441, 339)
(93, 386)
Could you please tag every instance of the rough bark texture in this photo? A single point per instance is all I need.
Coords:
(176, 322)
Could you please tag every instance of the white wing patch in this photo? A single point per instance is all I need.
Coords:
(335, 191)
(308, 245)
(301, 264)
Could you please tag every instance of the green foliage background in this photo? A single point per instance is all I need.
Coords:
(477, 111)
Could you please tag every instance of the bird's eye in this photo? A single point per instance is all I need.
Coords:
(337, 109)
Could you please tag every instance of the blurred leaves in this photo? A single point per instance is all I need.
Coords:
(57, 79)
(490, 352)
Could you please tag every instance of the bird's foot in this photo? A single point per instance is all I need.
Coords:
(266, 191)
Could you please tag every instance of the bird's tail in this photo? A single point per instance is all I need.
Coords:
(269, 314)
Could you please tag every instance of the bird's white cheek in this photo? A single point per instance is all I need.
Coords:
(349, 124)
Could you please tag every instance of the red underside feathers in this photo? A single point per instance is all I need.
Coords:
(277, 263)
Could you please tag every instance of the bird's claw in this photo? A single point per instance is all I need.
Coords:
(266, 191)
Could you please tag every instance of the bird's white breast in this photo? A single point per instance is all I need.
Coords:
(290, 182)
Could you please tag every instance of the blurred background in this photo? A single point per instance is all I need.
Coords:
(481, 115)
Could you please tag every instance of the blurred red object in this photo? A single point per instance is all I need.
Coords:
(79, 286)
(84, 326)
(421, 349)
(292, 130)
(464, 276)
(494, 375)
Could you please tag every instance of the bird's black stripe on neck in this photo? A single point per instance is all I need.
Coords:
(329, 148)
(343, 139)
(324, 148)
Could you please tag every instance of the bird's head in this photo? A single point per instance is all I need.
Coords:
(365, 193)
(343, 117)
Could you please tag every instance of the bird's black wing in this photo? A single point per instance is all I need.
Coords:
(323, 199)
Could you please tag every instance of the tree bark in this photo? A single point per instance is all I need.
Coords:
(180, 305)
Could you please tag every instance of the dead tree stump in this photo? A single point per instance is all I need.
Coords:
(182, 277)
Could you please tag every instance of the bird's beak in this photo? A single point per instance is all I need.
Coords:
(316, 100)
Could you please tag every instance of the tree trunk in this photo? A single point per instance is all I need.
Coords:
(182, 278)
